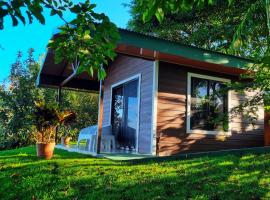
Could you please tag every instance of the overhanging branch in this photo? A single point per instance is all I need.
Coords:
(75, 65)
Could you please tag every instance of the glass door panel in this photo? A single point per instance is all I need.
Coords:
(117, 113)
(125, 114)
(130, 114)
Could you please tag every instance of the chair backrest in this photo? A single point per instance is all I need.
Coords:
(89, 130)
(107, 130)
(93, 129)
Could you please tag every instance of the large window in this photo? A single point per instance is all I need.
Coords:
(207, 104)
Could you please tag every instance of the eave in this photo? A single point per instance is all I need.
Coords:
(147, 47)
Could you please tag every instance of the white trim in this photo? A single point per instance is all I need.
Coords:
(137, 76)
(119, 83)
(126, 80)
(189, 103)
(154, 107)
(96, 146)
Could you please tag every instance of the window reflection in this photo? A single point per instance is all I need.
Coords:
(125, 114)
(208, 105)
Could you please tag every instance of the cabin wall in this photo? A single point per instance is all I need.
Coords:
(171, 117)
(122, 68)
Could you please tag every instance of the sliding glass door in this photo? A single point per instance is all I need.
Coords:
(124, 113)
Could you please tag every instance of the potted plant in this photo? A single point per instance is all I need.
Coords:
(70, 117)
(65, 140)
(47, 118)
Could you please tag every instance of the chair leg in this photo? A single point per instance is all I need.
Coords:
(108, 145)
(93, 144)
(104, 145)
(87, 146)
(113, 144)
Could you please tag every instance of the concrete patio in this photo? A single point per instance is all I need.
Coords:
(115, 155)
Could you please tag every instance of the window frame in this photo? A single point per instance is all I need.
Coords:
(198, 131)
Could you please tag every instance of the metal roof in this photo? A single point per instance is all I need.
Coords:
(145, 46)
(176, 48)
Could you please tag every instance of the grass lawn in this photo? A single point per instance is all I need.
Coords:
(75, 176)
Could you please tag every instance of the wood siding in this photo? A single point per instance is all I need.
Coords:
(123, 68)
(171, 119)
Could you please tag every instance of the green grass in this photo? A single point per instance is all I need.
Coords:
(75, 176)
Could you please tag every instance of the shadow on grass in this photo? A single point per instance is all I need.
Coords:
(67, 177)
(207, 179)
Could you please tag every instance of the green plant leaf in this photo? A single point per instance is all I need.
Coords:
(75, 9)
(14, 20)
(159, 15)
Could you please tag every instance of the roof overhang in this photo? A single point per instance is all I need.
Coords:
(179, 60)
(131, 38)
(143, 46)
(52, 75)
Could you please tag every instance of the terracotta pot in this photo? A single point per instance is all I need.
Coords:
(45, 150)
(65, 140)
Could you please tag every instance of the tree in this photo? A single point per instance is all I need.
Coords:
(210, 27)
(17, 98)
(85, 105)
(17, 103)
(88, 41)
(259, 73)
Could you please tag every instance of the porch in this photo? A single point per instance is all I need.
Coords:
(113, 155)
(121, 98)
(125, 100)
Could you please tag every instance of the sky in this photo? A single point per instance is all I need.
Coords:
(36, 35)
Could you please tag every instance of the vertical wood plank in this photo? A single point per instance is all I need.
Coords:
(100, 115)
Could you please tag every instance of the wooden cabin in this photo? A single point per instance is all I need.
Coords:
(160, 97)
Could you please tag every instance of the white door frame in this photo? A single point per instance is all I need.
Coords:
(134, 77)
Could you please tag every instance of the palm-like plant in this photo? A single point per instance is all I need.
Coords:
(47, 118)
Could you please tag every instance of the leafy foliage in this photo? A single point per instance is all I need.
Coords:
(17, 99)
(17, 105)
(88, 41)
(235, 27)
(211, 27)
(157, 8)
(85, 105)
(47, 117)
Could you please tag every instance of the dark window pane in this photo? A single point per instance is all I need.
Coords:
(125, 114)
(199, 103)
(199, 120)
(131, 113)
(208, 105)
(199, 87)
(117, 113)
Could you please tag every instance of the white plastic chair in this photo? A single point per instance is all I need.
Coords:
(107, 139)
(90, 135)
